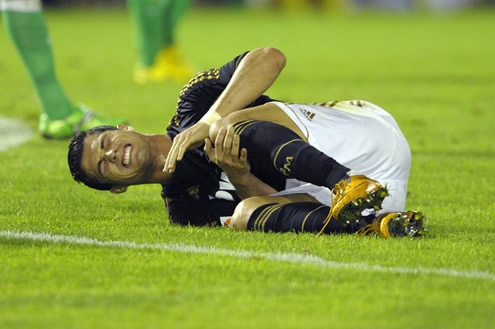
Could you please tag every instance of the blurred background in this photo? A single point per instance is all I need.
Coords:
(307, 4)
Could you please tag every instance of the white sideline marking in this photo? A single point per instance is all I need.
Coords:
(13, 133)
(281, 257)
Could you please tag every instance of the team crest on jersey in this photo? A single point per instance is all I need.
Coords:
(194, 191)
(309, 115)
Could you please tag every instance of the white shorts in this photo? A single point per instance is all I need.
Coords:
(359, 135)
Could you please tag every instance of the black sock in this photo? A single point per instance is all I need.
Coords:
(278, 149)
(299, 217)
(293, 217)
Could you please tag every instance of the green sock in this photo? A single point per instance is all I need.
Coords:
(155, 22)
(178, 9)
(30, 36)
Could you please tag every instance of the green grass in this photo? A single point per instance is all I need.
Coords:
(434, 73)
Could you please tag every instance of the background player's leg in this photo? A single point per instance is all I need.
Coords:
(27, 30)
(178, 9)
(155, 22)
(149, 19)
(26, 27)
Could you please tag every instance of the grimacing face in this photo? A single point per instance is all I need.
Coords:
(118, 157)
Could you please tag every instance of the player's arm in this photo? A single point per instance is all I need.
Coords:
(233, 162)
(257, 71)
(255, 74)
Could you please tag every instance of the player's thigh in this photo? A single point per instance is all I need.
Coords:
(266, 112)
(246, 207)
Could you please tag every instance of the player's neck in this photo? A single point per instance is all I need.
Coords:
(161, 145)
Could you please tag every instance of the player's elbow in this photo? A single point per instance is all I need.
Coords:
(269, 57)
(276, 56)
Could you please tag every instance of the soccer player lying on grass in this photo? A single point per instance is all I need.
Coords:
(282, 156)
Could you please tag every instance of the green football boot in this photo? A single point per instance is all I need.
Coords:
(82, 118)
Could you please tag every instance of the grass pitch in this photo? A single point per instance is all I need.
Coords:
(434, 73)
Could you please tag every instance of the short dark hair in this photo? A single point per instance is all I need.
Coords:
(76, 148)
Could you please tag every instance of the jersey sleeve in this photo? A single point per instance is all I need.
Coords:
(197, 193)
(187, 210)
(199, 94)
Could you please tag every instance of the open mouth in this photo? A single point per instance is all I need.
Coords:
(126, 159)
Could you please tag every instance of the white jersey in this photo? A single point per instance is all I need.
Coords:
(359, 135)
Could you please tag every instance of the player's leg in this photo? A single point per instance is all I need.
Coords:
(155, 22)
(298, 217)
(291, 213)
(149, 19)
(299, 214)
(171, 55)
(177, 11)
(277, 150)
(26, 27)
(246, 207)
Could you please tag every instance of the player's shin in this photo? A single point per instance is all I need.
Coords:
(298, 217)
(282, 152)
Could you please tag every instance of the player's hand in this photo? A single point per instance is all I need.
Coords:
(190, 138)
(228, 156)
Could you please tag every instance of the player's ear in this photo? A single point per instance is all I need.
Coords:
(117, 189)
(125, 127)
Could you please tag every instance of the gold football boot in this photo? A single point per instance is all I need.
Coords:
(396, 224)
(350, 197)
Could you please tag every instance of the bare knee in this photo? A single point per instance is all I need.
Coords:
(246, 207)
(243, 212)
(216, 126)
(225, 123)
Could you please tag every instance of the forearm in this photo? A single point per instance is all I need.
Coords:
(250, 185)
(255, 74)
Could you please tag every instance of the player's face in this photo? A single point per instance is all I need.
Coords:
(117, 157)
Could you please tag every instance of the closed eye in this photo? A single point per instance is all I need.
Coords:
(100, 165)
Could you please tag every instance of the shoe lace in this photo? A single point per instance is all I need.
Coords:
(337, 193)
(370, 229)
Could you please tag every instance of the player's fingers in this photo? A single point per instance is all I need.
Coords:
(219, 143)
(172, 154)
(243, 156)
(235, 146)
(167, 161)
(181, 150)
(229, 136)
(209, 150)
(181, 147)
